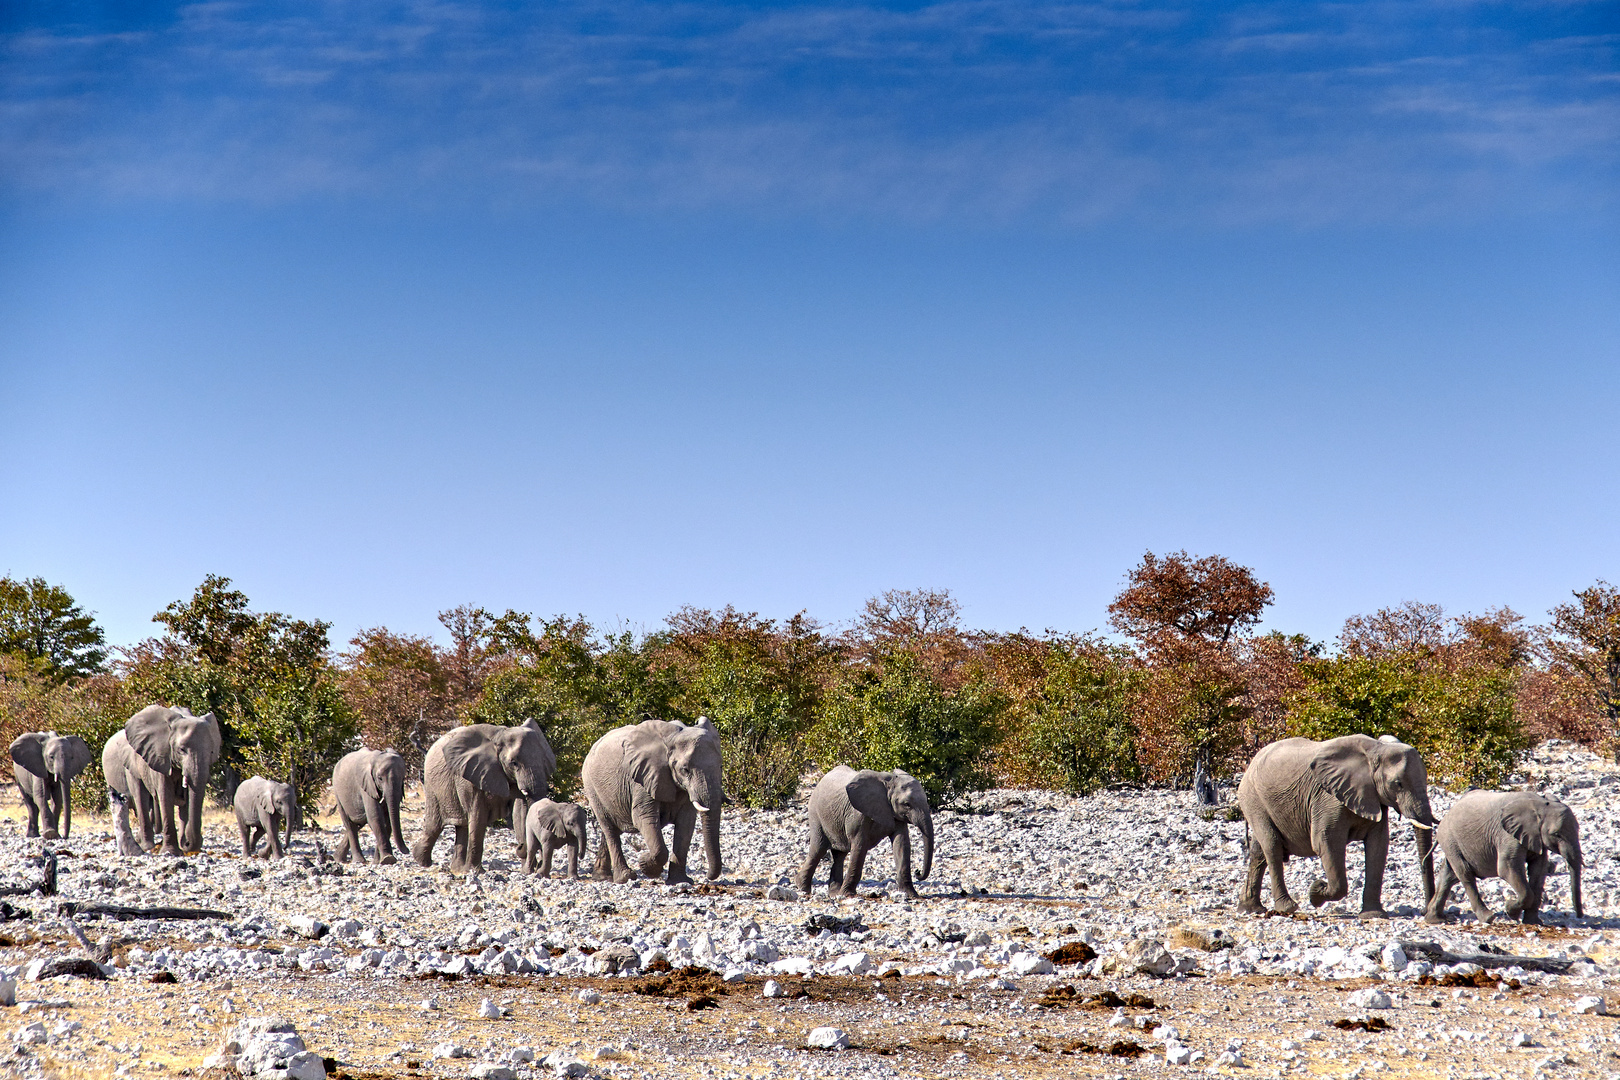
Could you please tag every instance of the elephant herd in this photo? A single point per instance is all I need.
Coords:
(1299, 799)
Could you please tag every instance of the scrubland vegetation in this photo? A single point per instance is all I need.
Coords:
(1185, 679)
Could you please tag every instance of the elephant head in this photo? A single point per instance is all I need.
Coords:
(385, 781)
(675, 761)
(55, 759)
(502, 762)
(273, 798)
(894, 800)
(173, 740)
(1367, 775)
(1543, 824)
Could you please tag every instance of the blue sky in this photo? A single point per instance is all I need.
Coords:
(614, 307)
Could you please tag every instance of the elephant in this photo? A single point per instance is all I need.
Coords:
(519, 812)
(262, 807)
(44, 765)
(646, 776)
(850, 811)
(1302, 798)
(470, 777)
(368, 786)
(548, 826)
(160, 756)
(1511, 835)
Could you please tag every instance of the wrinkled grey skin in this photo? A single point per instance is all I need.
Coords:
(850, 812)
(1511, 835)
(649, 775)
(1303, 798)
(470, 777)
(549, 826)
(368, 786)
(262, 808)
(164, 756)
(519, 812)
(44, 765)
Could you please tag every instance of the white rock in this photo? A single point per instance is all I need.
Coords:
(828, 1038)
(489, 1070)
(519, 1054)
(1393, 957)
(1119, 1019)
(307, 926)
(855, 963)
(1520, 1039)
(451, 1050)
(1590, 1005)
(781, 892)
(346, 929)
(30, 1034)
(1176, 1054)
(64, 1028)
(1370, 998)
(773, 989)
(734, 975)
(1028, 963)
(1231, 1058)
(792, 965)
(563, 1064)
(588, 996)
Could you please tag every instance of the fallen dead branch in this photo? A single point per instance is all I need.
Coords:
(1435, 954)
(120, 911)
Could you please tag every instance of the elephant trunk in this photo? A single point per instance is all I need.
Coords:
(1425, 846)
(292, 823)
(706, 797)
(191, 835)
(1572, 856)
(925, 825)
(393, 822)
(65, 800)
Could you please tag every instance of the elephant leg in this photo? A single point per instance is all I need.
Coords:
(46, 810)
(478, 819)
(1444, 880)
(680, 846)
(1264, 834)
(1372, 881)
(458, 848)
(349, 843)
(652, 862)
(547, 846)
(33, 810)
(432, 828)
(805, 880)
(835, 875)
(1510, 867)
(902, 861)
(145, 814)
(269, 823)
(1334, 884)
(1471, 890)
(856, 868)
(247, 844)
(573, 858)
(1249, 897)
(166, 808)
(1536, 871)
(377, 821)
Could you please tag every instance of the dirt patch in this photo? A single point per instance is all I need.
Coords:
(1062, 997)
(1125, 1048)
(689, 982)
(1484, 980)
(1072, 952)
(1363, 1023)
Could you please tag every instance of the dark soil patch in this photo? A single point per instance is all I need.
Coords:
(1363, 1023)
(1061, 997)
(659, 966)
(1126, 1048)
(689, 982)
(1072, 952)
(1484, 980)
(702, 1001)
(163, 977)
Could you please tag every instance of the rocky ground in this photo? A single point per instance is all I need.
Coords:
(398, 971)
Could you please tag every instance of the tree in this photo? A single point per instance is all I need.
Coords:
(44, 624)
(396, 686)
(1584, 641)
(1071, 727)
(1180, 601)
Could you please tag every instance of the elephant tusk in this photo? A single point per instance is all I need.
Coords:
(700, 806)
(1416, 824)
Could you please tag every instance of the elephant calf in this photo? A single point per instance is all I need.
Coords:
(262, 808)
(367, 788)
(44, 765)
(548, 826)
(1511, 835)
(850, 811)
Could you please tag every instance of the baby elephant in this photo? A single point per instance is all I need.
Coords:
(851, 811)
(262, 807)
(551, 825)
(1511, 835)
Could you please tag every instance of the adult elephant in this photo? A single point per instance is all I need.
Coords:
(368, 786)
(851, 811)
(44, 765)
(649, 775)
(470, 777)
(1302, 798)
(164, 756)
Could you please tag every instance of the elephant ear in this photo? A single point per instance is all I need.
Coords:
(28, 750)
(216, 737)
(148, 735)
(74, 754)
(1522, 820)
(1342, 769)
(646, 759)
(472, 757)
(376, 777)
(869, 794)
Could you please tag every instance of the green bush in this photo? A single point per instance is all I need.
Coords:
(1079, 730)
(758, 734)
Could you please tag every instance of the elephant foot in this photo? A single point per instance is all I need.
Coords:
(1250, 907)
(679, 877)
(170, 851)
(1286, 906)
(387, 860)
(50, 834)
(1532, 918)
(1434, 918)
(622, 878)
(1373, 913)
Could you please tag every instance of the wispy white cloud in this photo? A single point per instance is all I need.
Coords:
(987, 109)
